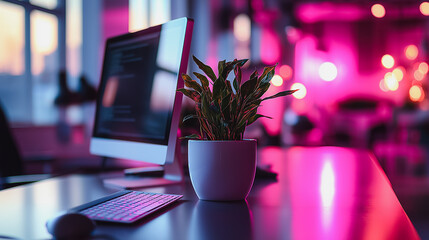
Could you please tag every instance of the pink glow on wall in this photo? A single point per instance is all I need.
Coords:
(293, 34)
(257, 5)
(270, 47)
(275, 109)
(341, 49)
(340, 52)
(115, 21)
(313, 12)
(270, 52)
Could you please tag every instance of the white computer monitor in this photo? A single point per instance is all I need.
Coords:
(138, 107)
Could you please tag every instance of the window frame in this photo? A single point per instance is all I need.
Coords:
(60, 13)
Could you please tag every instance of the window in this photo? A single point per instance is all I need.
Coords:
(33, 51)
(146, 13)
(44, 65)
(50, 4)
(12, 61)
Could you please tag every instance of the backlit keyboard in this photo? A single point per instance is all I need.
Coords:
(126, 206)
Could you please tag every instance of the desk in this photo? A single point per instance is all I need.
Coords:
(321, 193)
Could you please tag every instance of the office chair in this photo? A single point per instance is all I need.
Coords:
(10, 159)
(11, 163)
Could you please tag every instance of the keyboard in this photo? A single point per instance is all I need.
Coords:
(126, 206)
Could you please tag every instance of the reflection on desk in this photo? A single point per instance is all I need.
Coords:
(321, 193)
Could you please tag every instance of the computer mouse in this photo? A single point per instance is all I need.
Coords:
(70, 226)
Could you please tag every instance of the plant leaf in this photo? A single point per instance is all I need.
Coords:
(218, 87)
(221, 67)
(193, 136)
(190, 94)
(256, 117)
(203, 79)
(263, 88)
(192, 83)
(237, 79)
(191, 116)
(248, 87)
(281, 94)
(186, 77)
(229, 66)
(254, 74)
(267, 75)
(206, 69)
(245, 118)
(242, 62)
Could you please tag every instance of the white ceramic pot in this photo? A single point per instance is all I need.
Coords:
(222, 170)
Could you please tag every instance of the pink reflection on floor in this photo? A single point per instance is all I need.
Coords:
(319, 193)
(327, 193)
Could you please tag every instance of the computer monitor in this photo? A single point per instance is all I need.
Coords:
(138, 108)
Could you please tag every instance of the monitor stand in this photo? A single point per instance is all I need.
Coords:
(146, 177)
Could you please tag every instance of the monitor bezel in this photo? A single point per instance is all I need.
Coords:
(146, 149)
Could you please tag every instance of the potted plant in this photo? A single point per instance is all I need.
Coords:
(221, 163)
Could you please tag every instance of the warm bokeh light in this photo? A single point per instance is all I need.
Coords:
(424, 8)
(44, 32)
(383, 86)
(391, 82)
(388, 61)
(302, 91)
(11, 39)
(418, 75)
(378, 10)
(398, 73)
(416, 93)
(242, 27)
(411, 52)
(388, 75)
(74, 37)
(423, 67)
(286, 72)
(277, 80)
(44, 39)
(328, 71)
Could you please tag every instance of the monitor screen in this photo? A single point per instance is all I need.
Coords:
(137, 110)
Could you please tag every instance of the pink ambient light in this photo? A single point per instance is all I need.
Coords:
(270, 47)
(314, 12)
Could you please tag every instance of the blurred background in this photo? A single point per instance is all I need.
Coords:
(360, 66)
